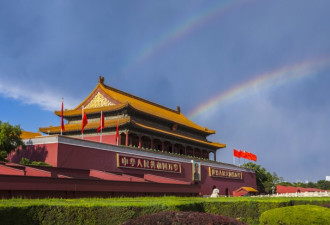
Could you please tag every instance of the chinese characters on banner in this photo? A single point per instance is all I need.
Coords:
(147, 164)
(216, 172)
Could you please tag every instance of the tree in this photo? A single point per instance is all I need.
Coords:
(9, 139)
(265, 180)
(286, 183)
(323, 184)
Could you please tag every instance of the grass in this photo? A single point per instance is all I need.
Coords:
(146, 201)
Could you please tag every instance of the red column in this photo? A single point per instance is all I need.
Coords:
(185, 150)
(151, 143)
(163, 145)
(215, 156)
(140, 141)
(126, 141)
(173, 150)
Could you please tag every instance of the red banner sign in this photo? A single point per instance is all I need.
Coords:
(147, 164)
(216, 172)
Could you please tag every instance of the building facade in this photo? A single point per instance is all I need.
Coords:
(143, 149)
(141, 124)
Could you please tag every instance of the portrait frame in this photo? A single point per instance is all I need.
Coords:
(196, 171)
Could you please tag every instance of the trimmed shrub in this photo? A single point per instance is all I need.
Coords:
(247, 211)
(68, 215)
(118, 210)
(300, 214)
(183, 218)
(27, 162)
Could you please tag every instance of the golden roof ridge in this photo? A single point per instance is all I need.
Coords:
(90, 95)
(77, 112)
(139, 104)
(205, 130)
(140, 99)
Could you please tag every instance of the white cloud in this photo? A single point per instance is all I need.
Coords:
(42, 95)
(294, 145)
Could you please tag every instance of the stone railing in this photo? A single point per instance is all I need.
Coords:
(298, 194)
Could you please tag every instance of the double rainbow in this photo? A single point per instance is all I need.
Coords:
(266, 80)
(183, 29)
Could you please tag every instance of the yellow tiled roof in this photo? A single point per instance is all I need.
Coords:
(140, 105)
(77, 112)
(28, 134)
(214, 144)
(90, 125)
(249, 189)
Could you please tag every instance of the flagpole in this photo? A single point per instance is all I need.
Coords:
(82, 117)
(118, 131)
(101, 127)
(61, 117)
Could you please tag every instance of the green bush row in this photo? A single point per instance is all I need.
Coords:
(117, 211)
(250, 211)
(68, 215)
(27, 162)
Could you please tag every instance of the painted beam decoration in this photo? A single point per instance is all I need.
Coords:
(216, 172)
(147, 164)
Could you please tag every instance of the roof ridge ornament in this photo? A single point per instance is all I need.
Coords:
(99, 101)
(101, 80)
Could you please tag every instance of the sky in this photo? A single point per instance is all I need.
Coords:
(257, 72)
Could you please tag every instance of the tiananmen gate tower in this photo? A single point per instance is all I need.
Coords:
(129, 147)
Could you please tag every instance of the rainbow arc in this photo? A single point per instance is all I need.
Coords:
(263, 81)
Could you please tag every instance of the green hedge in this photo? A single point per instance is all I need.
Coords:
(300, 214)
(119, 210)
(184, 218)
(67, 215)
(250, 211)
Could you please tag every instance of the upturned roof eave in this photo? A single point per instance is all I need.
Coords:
(178, 118)
(75, 113)
(208, 132)
(90, 126)
(210, 144)
(89, 111)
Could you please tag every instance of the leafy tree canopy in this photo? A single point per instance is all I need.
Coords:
(321, 184)
(266, 182)
(9, 139)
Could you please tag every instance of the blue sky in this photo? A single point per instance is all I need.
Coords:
(180, 53)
